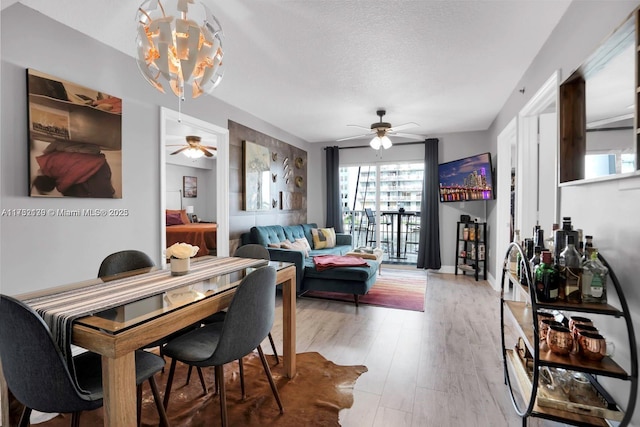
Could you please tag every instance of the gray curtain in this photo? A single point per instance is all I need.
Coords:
(334, 208)
(429, 247)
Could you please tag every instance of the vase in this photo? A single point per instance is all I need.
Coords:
(180, 266)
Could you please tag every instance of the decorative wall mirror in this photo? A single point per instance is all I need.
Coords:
(598, 110)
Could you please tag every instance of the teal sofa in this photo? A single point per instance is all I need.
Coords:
(354, 280)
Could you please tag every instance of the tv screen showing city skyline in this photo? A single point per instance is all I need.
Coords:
(467, 179)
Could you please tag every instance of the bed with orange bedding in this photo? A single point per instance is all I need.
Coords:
(180, 229)
(199, 234)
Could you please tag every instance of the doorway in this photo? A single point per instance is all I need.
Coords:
(174, 124)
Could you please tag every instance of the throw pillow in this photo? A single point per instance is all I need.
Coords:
(183, 214)
(286, 245)
(174, 219)
(304, 242)
(303, 247)
(273, 245)
(323, 238)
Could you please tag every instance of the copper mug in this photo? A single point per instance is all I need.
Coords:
(559, 339)
(579, 320)
(577, 328)
(592, 345)
(543, 329)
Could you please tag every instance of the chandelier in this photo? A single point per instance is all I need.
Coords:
(176, 49)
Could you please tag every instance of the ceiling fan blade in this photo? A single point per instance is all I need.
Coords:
(408, 135)
(180, 150)
(355, 137)
(360, 127)
(209, 147)
(205, 151)
(403, 126)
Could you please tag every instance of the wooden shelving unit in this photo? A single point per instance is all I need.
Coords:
(522, 378)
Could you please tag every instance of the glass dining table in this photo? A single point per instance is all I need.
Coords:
(166, 304)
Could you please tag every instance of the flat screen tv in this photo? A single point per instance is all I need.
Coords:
(467, 179)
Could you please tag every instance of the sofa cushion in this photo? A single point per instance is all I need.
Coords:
(265, 234)
(306, 228)
(293, 232)
(360, 274)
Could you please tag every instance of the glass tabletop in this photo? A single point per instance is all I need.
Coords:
(124, 317)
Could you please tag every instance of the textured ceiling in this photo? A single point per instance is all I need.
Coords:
(310, 67)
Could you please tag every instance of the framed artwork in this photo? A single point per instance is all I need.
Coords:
(75, 139)
(257, 177)
(190, 186)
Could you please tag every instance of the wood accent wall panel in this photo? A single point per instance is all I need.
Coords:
(573, 142)
(240, 221)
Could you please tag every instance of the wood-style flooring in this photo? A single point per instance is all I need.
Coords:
(441, 367)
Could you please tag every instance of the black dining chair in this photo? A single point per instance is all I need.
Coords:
(37, 373)
(247, 322)
(371, 229)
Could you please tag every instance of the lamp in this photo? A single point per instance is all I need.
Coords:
(177, 49)
(189, 211)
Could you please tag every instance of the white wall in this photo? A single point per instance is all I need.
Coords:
(608, 209)
(204, 205)
(450, 147)
(43, 252)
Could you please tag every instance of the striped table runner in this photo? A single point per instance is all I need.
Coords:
(59, 310)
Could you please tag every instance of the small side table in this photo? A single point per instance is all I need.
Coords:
(377, 255)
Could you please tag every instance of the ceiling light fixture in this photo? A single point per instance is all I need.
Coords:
(193, 153)
(380, 140)
(178, 49)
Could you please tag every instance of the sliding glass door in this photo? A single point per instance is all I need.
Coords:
(385, 189)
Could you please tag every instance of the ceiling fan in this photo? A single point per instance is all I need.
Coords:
(381, 130)
(193, 148)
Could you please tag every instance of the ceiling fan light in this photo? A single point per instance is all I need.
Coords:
(386, 142)
(376, 142)
(193, 153)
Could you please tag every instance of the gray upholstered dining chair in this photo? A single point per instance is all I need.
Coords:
(38, 374)
(254, 251)
(247, 322)
(122, 261)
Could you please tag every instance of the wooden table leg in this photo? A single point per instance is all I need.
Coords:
(4, 400)
(289, 325)
(119, 383)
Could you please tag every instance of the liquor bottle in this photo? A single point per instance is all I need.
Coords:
(513, 254)
(534, 262)
(571, 271)
(538, 237)
(594, 278)
(528, 254)
(546, 279)
(549, 242)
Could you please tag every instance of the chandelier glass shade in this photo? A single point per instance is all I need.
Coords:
(177, 50)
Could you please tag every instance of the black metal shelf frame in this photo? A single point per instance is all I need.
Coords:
(624, 312)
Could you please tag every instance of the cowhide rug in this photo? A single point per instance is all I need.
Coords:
(313, 398)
